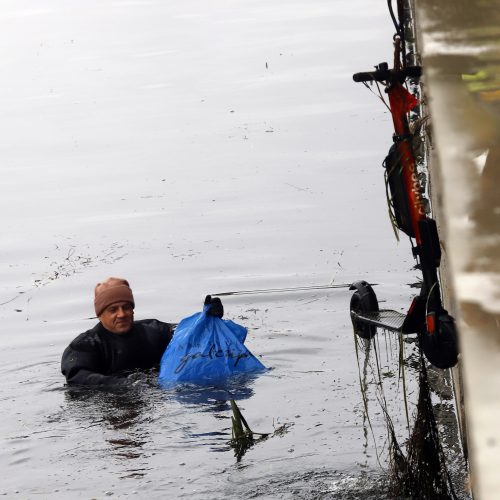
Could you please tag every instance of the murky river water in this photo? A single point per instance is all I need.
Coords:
(192, 149)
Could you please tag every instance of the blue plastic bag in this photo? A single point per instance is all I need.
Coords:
(206, 350)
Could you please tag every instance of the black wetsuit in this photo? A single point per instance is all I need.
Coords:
(101, 358)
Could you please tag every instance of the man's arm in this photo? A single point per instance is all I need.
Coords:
(81, 365)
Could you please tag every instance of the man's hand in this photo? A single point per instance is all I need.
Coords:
(216, 309)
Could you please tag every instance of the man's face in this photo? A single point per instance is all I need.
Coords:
(118, 317)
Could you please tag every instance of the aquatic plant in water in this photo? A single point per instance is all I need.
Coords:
(243, 438)
(418, 469)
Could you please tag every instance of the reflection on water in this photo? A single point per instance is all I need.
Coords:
(207, 398)
(128, 412)
(124, 414)
(120, 409)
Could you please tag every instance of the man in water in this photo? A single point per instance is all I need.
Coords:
(117, 345)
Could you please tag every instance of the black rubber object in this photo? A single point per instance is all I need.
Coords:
(397, 188)
(441, 347)
(431, 248)
(363, 300)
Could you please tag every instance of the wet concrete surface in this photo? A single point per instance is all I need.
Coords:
(461, 48)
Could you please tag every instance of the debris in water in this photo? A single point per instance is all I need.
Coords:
(417, 467)
(422, 473)
(243, 437)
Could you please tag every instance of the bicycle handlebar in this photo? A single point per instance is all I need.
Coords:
(382, 74)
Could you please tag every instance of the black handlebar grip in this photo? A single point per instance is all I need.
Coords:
(364, 77)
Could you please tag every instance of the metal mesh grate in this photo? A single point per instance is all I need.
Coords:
(386, 318)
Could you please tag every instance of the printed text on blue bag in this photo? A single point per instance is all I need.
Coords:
(212, 353)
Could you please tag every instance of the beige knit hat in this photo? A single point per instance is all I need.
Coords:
(110, 291)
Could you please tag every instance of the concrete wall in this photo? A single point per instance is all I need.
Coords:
(460, 49)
